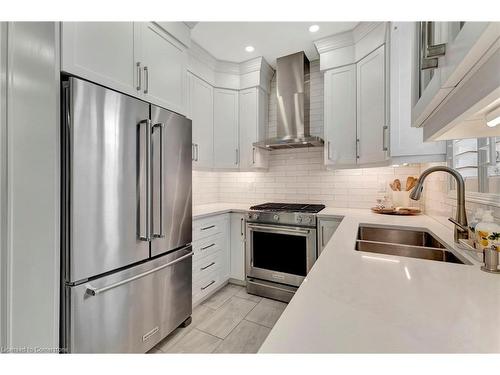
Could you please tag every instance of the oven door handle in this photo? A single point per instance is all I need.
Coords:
(278, 229)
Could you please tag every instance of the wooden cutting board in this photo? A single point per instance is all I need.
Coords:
(397, 211)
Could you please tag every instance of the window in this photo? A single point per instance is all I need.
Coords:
(478, 161)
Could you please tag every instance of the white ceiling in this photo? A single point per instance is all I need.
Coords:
(227, 40)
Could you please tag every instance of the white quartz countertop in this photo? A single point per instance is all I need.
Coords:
(361, 302)
(217, 209)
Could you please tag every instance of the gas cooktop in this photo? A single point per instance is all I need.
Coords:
(289, 207)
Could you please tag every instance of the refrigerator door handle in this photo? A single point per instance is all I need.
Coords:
(147, 220)
(91, 291)
(161, 126)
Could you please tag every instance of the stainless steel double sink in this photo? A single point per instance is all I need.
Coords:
(406, 242)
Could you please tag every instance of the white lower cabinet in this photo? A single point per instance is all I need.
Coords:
(237, 269)
(326, 229)
(211, 259)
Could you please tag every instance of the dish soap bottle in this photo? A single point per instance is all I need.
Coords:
(472, 225)
(488, 240)
(487, 232)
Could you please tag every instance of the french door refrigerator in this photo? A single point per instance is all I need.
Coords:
(126, 221)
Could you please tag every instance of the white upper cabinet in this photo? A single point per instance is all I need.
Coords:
(138, 58)
(463, 75)
(226, 141)
(101, 52)
(372, 126)
(163, 61)
(340, 116)
(407, 145)
(253, 121)
(201, 113)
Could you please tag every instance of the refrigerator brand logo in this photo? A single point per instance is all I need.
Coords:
(150, 333)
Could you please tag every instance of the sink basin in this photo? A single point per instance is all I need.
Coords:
(412, 243)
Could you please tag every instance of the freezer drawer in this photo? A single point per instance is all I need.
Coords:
(130, 311)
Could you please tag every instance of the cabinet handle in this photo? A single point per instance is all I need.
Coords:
(197, 151)
(241, 226)
(322, 237)
(237, 157)
(429, 51)
(328, 150)
(209, 227)
(146, 78)
(207, 247)
(253, 155)
(139, 76)
(206, 286)
(204, 268)
(192, 152)
(384, 145)
(357, 148)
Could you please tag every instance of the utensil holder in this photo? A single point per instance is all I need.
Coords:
(401, 199)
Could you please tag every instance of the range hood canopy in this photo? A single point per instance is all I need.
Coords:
(292, 94)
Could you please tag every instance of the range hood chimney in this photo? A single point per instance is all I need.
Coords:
(292, 94)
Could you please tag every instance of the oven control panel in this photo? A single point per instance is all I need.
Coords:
(284, 218)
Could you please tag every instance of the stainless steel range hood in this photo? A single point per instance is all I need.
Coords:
(292, 94)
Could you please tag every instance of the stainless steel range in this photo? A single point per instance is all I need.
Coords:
(280, 247)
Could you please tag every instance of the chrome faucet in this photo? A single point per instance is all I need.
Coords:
(460, 221)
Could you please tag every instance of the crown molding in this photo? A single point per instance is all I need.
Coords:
(199, 53)
(336, 41)
(347, 38)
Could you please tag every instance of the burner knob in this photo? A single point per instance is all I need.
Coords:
(276, 217)
(249, 215)
(299, 219)
(308, 219)
(255, 216)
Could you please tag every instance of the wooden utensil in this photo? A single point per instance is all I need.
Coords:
(409, 183)
(397, 184)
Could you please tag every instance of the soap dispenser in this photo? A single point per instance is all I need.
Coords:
(488, 240)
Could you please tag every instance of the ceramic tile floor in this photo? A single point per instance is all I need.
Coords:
(231, 321)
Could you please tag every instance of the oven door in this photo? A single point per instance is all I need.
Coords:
(283, 254)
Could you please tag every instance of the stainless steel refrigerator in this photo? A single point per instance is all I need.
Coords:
(126, 217)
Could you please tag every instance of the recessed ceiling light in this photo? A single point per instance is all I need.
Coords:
(493, 118)
(313, 28)
(249, 49)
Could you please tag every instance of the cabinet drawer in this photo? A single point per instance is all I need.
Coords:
(207, 265)
(206, 285)
(208, 246)
(208, 227)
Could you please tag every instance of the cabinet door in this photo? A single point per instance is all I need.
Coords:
(340, 116)
(237, 247)
(102, 52)
(326, 229)
(372, 126)
(407, 142)
(164, 62)
(201, 111)
(253, 119)
(226, 145)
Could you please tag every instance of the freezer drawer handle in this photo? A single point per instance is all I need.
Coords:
(91, 291)
(204, 268)
(206, 286)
